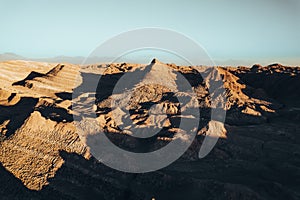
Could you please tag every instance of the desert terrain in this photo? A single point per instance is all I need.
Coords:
(42, 155)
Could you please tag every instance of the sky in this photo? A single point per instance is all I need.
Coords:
(230, 31)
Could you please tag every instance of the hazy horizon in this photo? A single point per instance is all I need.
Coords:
(7, 56)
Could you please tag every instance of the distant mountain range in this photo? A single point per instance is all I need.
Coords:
(92, 60)
(58, 59)
(62, 59)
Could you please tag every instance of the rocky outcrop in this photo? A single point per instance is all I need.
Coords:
(43, 157)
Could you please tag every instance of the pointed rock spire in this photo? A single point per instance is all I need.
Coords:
(155, 61)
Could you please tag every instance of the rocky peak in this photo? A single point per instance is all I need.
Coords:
(155, 61)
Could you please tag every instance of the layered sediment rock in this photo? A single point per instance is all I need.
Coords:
(257, 156)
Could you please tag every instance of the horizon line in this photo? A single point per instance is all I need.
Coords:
(10, 56)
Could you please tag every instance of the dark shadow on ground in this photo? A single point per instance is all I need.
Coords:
(17, 114)
(55, 113)
(282, 86)
(31, 76)
(64, 95)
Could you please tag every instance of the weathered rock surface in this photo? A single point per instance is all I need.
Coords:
(43, 157)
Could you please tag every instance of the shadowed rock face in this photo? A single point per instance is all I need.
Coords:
(43, 157)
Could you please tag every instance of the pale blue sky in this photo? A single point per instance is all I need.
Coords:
(233, 29)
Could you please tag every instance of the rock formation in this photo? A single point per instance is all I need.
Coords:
(43, 157)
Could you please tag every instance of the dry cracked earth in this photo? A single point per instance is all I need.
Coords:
(42, 155)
